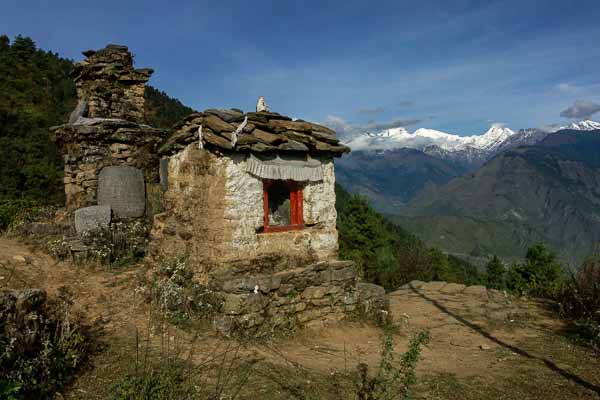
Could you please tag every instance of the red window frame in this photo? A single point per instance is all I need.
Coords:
(296, 207)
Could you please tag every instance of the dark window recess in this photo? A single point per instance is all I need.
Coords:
(283, 206)
(279, 204)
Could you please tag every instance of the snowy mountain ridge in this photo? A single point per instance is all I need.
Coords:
(586, 125)
(497, 137)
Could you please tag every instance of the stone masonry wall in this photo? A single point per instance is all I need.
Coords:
(89, 148)
(313, 295)
(214, 210)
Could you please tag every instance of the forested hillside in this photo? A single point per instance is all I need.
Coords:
(388, 255)
(544, 193)
(36, 92)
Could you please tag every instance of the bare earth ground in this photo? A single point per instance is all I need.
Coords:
(482, 346)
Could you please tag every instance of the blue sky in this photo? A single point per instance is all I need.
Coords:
(456, 66)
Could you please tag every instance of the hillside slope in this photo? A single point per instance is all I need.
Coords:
(549, 192)
(392, 178)
(484, 345)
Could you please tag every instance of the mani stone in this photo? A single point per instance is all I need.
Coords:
(91, 218)
(122, 188)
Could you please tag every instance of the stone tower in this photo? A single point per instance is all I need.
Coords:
(109, 153)
(109, 85)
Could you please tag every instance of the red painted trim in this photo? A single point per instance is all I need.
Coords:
(272, 229)
(266, 185)
(296, 208)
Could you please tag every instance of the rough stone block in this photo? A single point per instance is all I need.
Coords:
(413, 285)
(339, 264)
(433, 286)
(325, 301)
(372, 300)
(239, 285)
(344, 274)
(235, 304)
(122, 188)
(294, 308)
(350, 298)
(318, 292)
(370, 291)
(93, 217)
(476, 290)
(164, 173)
(315, 292)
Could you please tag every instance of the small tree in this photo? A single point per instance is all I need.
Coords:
(496, 274)
(540, 275)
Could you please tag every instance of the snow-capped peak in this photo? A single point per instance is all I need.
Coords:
(587, 125)
(422, 138)
(493, 138)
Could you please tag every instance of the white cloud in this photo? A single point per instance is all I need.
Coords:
(581, 109)
(567, 88)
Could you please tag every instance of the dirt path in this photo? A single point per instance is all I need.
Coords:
(483, 345)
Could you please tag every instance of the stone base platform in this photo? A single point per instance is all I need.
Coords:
(314, 295)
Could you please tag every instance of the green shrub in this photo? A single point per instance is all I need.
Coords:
(39, 368)
(540, 275)
(12, 211)
(495, 275)
(580, 301)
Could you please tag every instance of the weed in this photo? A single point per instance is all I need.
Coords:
(171, 374)
(392, 381)
(178, 296)
(41, 349)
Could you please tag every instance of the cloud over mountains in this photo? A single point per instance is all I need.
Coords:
(581, 109)
(347, 130)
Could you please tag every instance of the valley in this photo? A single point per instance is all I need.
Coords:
(499, 197)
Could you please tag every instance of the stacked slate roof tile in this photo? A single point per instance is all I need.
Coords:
(263, 132)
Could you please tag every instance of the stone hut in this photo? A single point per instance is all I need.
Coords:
(109, 153)
(248, 190)
(250, 200)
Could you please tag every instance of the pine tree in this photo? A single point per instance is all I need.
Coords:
(496, 274)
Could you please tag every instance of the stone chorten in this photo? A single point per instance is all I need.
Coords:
(109, 85)
(109, 153)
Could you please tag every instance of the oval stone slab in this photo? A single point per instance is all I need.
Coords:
(122, 188)
(91, 218)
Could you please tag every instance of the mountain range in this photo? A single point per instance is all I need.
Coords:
(495, 193)
(471, 151)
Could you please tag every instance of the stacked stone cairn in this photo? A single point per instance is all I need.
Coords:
(106, 128)
(108, 85)
(110, 155)
(261, 132)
